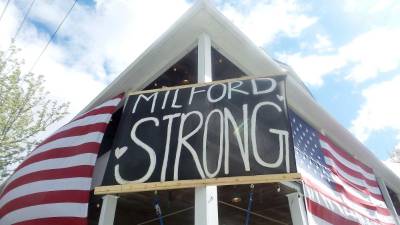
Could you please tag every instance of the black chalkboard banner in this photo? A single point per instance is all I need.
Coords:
(227, 128)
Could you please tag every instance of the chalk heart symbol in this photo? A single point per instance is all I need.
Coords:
(120, 151)
(280, 97)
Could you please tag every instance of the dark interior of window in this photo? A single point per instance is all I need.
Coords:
(222, 68)
(181, 73)
(269, 205)
(395, 200)
(176, 206)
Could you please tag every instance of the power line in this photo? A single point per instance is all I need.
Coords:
(23, 20)
(52, 37)
(4, 10)
(19, 27)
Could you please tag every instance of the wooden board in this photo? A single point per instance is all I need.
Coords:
(181, 184)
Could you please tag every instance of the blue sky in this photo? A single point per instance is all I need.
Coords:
(346, 52)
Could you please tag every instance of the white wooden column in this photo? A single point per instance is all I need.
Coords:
(296, 204)
(206, 206)
(204, 72)
(388, 200)
(108, 207)
(297, 208)
(206, 198)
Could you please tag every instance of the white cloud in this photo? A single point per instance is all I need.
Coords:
(380, 110)
(367, 55)
(312, 68)
(376, 51)
(264, 20)
(113, 33)
(369, 6)
(323, 43)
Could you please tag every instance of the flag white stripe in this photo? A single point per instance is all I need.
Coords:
(355, 192)
(345, 212)
(69, 142)
(45, 211)
(350, 178)
(339, 197)
(68, 209)
(78, 183)
(58, 163)
(347, 163)
(344, 190)
(100, 118)
(112, 102)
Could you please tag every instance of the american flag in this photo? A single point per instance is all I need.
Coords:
(338, 189)
(52, 185)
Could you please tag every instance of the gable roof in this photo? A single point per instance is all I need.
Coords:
(182, 37)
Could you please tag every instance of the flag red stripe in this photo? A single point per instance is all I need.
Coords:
(45, 198)
(58, 196)
(344, 205)
(76, 171)
(356, 186)
(362, 203)
(346, 155)
(76, 131)
(91, 147)
(56, 221)
(327, 215)
(348, 170)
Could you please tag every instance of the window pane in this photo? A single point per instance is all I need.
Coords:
(181, 73)
(270, 204)
(222, 68)
(395, 200)
(177, 207)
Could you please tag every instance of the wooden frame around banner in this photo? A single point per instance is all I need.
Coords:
(181, 184)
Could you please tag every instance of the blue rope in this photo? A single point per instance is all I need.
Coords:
(250, 204)
(158, 208)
